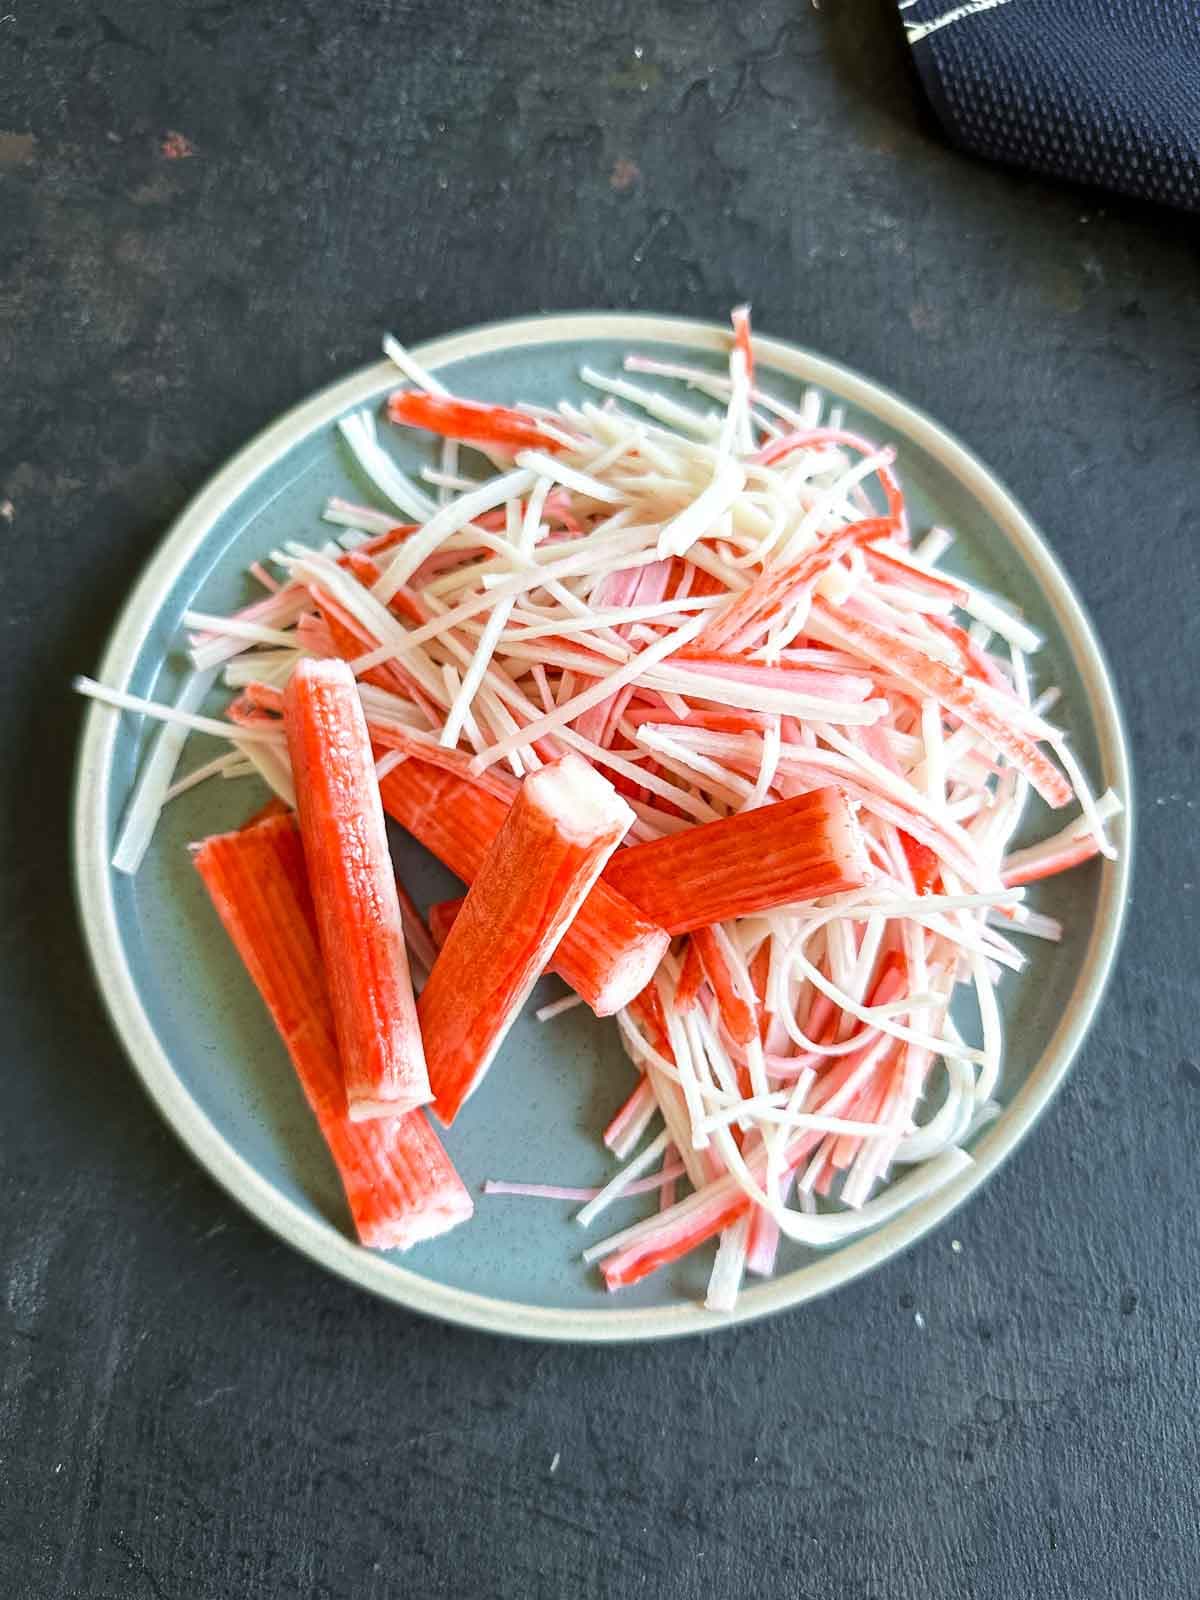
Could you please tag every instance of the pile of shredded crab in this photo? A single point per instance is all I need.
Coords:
(666, 679)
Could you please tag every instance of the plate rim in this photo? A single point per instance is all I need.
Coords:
(320, 1240)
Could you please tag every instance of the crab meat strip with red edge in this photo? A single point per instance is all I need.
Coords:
(354, 891)
(552, 846)
(793, 850)
(399, 1182)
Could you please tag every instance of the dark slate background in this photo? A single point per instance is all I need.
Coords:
(205, 212)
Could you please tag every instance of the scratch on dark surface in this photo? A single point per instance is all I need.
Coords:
(88, 1420)
(661, 221)
(215, 1394)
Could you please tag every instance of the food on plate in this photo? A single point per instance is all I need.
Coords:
(706, 729)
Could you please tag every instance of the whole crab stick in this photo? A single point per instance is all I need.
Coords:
(610, 951)
(552, 846)
(399, 1181)
(793, 850)
(354, 891)
(469, 421)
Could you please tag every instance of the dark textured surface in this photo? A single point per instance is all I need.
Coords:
(206, 211)
(1099, 91)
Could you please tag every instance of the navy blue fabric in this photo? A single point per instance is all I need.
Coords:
(1105, 92)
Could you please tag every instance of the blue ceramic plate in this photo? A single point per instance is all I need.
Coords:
(202, 1042)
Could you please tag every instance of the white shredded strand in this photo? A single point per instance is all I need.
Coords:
(556, 471)
(393, 484)
(232, 763)
(616, 1185)
(730, 1263)
(440, 523)
(121, 700)
(234, 628)
(411, 367)
(557, 1007)
(272, 765)
(153, 786)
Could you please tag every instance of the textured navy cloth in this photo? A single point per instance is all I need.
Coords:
(1099, 91)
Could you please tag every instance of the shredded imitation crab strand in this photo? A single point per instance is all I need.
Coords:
(711, 598)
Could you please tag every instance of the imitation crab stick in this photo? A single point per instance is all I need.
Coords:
(610, 951)
(354, 891)
(1075, 844)
(827, 742)
(930, 677)
(399, 1182)
(751, 612)
(470, 422)
(737, 1009)
(552, 846)
(793, 850)
(771, 455)
(691, 977)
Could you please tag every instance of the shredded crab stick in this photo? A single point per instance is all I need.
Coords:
(552, 846)
(608, 953)
(399, 1181)
(827, 742)
(798, 849)
(629, 1257)
(354, 890)
(931, 677)
(1075, 844)
(154, 781)
(470, 422)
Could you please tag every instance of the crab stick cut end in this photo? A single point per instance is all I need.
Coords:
(354, 892)
(563, 825)
(610, 951)
(610, 955)
(399, 1182)
(583, 806)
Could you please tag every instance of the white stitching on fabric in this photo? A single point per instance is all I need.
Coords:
(919, 30)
